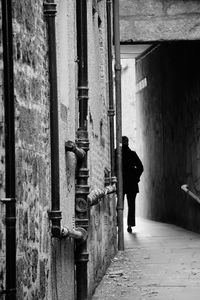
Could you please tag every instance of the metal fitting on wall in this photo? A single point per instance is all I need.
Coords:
(110, 180)
(111, 110)
(96, 195)
(10, 170)
(55, 216)
(55, 213)
(185, 188)
(82, 188)
(10, 222)
(77, 233)
(72, 147)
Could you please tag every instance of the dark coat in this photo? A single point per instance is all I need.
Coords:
(132, 169)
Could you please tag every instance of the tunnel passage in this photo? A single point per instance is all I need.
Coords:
(168, 131)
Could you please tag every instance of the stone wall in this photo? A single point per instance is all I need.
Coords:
(153, 20)
(102, 230)
(52, 260)
(32, 150)
(45, 265)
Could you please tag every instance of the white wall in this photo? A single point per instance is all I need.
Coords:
(128, 100)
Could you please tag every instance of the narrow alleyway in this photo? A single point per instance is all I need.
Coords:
(160, 261)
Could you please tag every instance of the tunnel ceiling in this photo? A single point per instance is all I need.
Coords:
(133, 51)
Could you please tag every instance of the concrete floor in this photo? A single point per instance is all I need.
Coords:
(160, 261)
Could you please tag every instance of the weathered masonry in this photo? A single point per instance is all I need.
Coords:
(153, 20)
(168, 105)
(54, 56)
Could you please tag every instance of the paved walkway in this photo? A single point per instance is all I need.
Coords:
(160, 262)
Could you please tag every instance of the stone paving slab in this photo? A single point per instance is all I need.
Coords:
(160, 262)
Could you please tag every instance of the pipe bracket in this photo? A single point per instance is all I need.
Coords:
(7, 200)
(82, 257)
(118, 67)
(8, 292)
(111, 112)
(120, 208)
(55, 215)
(82, 140)
(110, 180)
(50, 9)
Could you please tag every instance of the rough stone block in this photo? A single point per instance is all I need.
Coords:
(159, 20)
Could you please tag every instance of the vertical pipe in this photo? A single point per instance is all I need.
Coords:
(10, 149)
(111, 111)
(120, 205)
(82, 188)
(82, 50)
(55, 214)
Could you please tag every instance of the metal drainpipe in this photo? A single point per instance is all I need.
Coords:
(55, 213)
(111, 111)
(120, 204)
(82, 188)
(10, 200)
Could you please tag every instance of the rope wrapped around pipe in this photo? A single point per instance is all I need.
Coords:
(96, 195)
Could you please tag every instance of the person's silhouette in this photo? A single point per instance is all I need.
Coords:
(132, 169)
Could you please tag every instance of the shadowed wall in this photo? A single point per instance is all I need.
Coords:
(168, 113)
